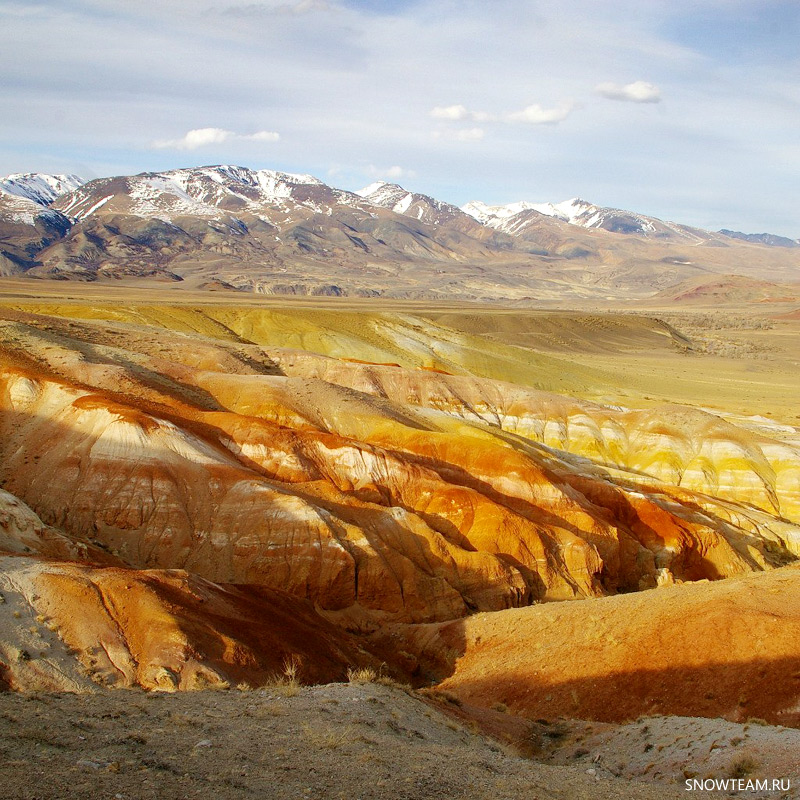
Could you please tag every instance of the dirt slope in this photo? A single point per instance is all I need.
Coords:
(71, 627)
(729, 649)
(376, 492)
(334, 743)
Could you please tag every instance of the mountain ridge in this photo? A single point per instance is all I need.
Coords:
(231, 227)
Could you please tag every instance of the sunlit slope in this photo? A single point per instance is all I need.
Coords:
(389, 337)
(68, 627)
(674, 445)
(748, 368)
(378, 492)
(729, 649)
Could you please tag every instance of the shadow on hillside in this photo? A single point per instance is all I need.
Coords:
(760, 689)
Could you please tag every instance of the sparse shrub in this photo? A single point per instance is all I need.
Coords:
(447, 697)
(287, 681)
(501, 707)
(386, 680)
(742, 767)
(329, 738)
(362, 675)
(291, 666)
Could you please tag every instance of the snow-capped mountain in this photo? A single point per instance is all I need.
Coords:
(424, 208)
(259, 221)
(411, 204)
(204, 192)
(38, 187)
(515, 218)
(263, 230)
(27, 222)
(762, 238)
(568, 211)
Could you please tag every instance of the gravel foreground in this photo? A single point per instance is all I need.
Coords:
(345, 741)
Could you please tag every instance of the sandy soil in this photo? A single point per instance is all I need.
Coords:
(666, 749)
(337, 741)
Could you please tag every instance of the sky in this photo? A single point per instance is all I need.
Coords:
(688, 110)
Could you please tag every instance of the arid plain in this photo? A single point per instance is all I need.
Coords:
(573, 531)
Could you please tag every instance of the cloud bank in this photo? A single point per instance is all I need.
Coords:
(537, 115)
(204, 137)
(636, 92)
(473, 97)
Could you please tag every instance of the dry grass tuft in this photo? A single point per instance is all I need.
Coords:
(329, 738)
(287, 681)
(441, 696)
(742, 767)
(362, 675)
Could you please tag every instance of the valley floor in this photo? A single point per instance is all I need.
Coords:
(340, 741)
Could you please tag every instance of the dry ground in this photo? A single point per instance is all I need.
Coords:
(337, 741)
(740, 359)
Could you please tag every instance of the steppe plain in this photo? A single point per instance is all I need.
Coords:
(244, 496)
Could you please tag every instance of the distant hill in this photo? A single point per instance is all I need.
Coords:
(232, 228)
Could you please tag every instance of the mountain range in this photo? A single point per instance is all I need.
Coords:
(230, 227)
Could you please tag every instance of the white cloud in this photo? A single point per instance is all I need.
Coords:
(199, 137)
(394, 173)
(454, 113)
(203, 137)
(461, 135)
(457, 113)
(261, 136)
(537, 115)
(636, 92)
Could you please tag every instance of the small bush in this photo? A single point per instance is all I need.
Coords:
(362, 675)
(742, 767)
(447, 697)
(287, 681)
(329, 738)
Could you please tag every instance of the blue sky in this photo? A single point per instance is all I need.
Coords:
(689, 111)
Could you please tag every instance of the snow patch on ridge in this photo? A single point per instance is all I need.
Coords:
(203, 191)
(39, 188)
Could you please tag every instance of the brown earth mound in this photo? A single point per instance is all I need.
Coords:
(163, 630)
(730, 649)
